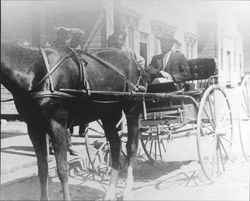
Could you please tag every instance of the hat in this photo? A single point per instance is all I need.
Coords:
(166, 36)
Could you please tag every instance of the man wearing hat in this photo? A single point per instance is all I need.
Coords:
(169, 66)
(72, 37)
(117, 40)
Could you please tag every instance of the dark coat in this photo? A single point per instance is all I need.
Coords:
(177, 66)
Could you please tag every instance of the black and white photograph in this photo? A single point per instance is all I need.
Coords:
(116, 100)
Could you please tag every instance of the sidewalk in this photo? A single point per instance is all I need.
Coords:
(18, 159)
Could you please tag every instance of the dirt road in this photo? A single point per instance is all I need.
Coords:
(173, 180)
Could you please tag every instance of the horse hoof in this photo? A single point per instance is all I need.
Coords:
(73, 152)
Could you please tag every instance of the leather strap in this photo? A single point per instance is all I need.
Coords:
(49, 71)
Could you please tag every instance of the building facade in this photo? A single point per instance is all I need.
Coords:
(33, 22)
(223, 41)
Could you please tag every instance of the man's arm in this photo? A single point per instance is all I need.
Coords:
(152, 69)
(141, 61)
(181, 72)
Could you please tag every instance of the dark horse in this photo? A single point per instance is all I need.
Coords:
(44, 111)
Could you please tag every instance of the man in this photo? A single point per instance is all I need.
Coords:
(117, 40)
(72, 37)
(169, 66)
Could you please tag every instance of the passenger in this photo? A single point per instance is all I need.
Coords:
(170, 65)
(117, 40)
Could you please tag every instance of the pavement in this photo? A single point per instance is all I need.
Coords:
(18, 160)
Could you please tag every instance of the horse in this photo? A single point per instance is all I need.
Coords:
(35, 81)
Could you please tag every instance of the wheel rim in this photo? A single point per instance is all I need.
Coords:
(97, 148)
(244, 117)
(154, 147)
(214, 132)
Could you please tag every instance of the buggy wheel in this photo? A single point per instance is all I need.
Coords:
(154, 143)
(98, 149)
(244, 117)
(214, 132)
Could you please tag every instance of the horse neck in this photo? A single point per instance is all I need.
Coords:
(14, 81)
(16, 74)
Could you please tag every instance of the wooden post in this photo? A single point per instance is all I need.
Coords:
(117, 15)
(36, 29)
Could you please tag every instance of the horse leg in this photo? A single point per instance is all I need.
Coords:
(109, 126)
(132, 146)
(38, 139)
(58, 135)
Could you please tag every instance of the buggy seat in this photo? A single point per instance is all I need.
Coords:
(203, 74)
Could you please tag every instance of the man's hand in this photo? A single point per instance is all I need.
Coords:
(166, 75)
(59, 28)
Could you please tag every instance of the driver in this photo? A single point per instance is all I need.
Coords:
(170, 65)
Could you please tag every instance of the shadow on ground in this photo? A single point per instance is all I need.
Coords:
(29, 189)
(8, 134)
(16, 150)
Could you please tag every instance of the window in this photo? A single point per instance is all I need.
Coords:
(190, 46)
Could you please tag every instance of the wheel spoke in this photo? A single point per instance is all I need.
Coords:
(163, 146)
(155, 149)
(212, 123)
(212, 156)
(226, 140)
(243, 106)
(245, 96)
(96, 131)
(146, 142)
(159, 146)
(151, 146)
(224, 149)
(211, 110)
(217, 156)
(221, 158)
(206, 126)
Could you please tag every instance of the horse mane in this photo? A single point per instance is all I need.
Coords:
(19, 50)
(143, 74)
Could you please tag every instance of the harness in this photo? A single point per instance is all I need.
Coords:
(73, 54)
(83, 81)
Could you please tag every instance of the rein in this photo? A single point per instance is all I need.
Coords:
(112, 68)
(49, 71)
